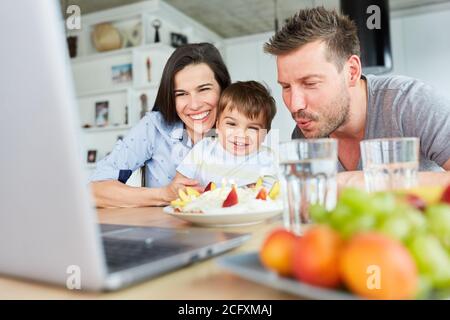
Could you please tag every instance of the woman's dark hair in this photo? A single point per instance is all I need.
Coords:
(183, 56)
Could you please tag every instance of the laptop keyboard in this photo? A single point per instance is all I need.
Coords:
(122, 254)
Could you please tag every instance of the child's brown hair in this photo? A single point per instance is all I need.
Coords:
(251, 99)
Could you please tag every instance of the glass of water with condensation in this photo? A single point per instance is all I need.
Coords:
(308, 169)
(390, 163)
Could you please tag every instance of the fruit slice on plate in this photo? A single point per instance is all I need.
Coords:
(275, 190)
(183, 196)
(232, 198)
(177, 203)
(258, 184)
(192, 192)
(210, 187)
(262, 194)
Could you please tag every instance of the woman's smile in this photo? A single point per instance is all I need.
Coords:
(200, 116)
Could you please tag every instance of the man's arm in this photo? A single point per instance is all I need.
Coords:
(436, 178)
(426, 178)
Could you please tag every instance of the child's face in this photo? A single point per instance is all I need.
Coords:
(238, 134)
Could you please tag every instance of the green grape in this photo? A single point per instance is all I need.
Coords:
(319, 213)
(340, 215)
(383, 204)
(425, 287)
(417, 220)
(442, 294)
(439, 222)
(355, 199)
(357, 224)
(396, 226)
(432, 259)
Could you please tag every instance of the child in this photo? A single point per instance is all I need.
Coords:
(244, 115)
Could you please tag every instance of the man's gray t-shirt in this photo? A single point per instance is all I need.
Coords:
(399, 106)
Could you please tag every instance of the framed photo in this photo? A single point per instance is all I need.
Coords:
(177, 39)
(122, 73)
(92, 156)
(101, 113)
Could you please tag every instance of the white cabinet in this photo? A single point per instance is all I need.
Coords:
(427, 47)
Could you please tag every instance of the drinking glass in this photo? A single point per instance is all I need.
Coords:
(308, 176)
(390, 163)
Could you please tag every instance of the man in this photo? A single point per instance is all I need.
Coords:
(320, 72)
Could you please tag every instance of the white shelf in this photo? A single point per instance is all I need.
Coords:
(101, 55)
(146, 87)
(108, 128)
(91, 165)
(104, 91)
(155, 46)
(118, 52)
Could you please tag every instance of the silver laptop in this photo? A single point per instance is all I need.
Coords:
(48, 227)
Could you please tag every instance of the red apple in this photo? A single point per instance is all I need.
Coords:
(316, 257)
(231, 199)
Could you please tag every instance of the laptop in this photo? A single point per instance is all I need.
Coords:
(48, 226)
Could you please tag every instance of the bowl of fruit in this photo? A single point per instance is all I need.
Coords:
(386, 245)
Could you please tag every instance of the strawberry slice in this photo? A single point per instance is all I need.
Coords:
(262, 194)
(231, 199)
(210, 187)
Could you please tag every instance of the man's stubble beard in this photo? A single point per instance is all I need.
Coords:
(337, 115)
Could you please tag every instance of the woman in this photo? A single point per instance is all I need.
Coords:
(184, 110)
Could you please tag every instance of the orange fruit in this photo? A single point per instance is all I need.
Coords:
(375, 266)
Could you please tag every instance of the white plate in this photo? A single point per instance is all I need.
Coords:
(224, 220)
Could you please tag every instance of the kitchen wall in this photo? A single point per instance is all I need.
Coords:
(420, 43)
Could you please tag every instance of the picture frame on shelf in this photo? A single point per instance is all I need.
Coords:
(178, 39)
(91, 156)
(122, 73)
(101, 113)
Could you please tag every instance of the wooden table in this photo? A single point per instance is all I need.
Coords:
(203, 280)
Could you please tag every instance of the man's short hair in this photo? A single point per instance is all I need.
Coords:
(336, 30)
(249, 98)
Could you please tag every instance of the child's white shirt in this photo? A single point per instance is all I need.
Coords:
(208, 162)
